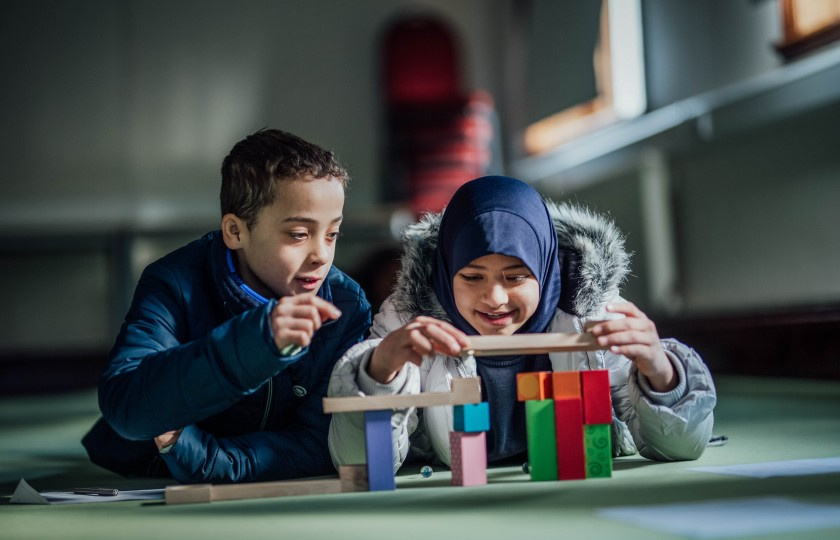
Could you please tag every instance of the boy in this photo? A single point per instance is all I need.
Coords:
(218, 372)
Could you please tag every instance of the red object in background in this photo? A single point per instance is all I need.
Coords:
(421, 62)
(439, 136)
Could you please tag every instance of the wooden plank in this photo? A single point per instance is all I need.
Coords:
(188, 494)
(464, 391)
(352, 478)
(531, 344)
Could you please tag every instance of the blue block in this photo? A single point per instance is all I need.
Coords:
(379, 451)
(471, 418)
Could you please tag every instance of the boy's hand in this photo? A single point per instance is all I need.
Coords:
(635, 337)
(167, 439)
(420, 337)
(295, 319)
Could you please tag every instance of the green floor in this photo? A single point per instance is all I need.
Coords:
(765, 420)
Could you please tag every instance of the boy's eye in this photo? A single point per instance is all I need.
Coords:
(333, 235)
(298, 235)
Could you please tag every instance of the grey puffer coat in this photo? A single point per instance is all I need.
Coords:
(674, 425)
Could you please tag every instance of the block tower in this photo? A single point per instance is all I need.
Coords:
(568, 416)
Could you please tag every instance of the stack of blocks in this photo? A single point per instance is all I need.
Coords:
(568, 416)
(468, 444)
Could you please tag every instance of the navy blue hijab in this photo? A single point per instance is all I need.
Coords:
(496, 214)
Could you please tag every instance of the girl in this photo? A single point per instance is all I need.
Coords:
(499, 261)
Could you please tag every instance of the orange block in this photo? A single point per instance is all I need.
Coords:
(533, 385)
(565, 384)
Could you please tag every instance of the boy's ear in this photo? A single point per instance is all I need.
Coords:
(234, 231)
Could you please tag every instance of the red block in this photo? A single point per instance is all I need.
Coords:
(597, 402)
(571, 458)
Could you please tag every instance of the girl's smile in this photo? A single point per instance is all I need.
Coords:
(496, 294)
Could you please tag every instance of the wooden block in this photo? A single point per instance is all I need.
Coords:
(463, 391)
(598, 448)
(353, 478)
(468, 458)
(531, 344)
(597, 400)
(379, 451)
(533, 385)
(471, 418)
(188, 494)
(568, 422)
(250, 490)
(565, 385)
(542, 442)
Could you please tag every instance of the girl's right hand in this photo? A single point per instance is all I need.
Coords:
(420, 337)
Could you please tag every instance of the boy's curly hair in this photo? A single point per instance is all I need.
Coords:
(257, 163)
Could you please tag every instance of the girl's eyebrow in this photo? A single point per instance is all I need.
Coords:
(511, 267)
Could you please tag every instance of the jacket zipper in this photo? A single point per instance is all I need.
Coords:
(267, 404)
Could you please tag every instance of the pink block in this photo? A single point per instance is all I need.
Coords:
(468, 458)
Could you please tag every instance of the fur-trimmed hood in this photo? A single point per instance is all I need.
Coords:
(593, 262)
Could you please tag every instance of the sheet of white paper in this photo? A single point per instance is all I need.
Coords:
(798, 467)
(729, 518)
(26, 494)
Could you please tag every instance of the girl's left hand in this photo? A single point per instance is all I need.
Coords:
(635, 337)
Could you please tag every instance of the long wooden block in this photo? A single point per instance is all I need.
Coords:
(254, 490)
(464, 391)
(351, 478)
(379, 450)
(531, 344)
(188, 494)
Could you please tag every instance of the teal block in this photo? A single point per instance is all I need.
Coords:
(471, 418)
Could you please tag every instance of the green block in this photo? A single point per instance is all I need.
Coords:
(598, 448)
(542, 442)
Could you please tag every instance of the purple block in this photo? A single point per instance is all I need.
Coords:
(379, 451)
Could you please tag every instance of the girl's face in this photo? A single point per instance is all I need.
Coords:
(496, 294)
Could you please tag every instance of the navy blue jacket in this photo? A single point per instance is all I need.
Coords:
(188, 356)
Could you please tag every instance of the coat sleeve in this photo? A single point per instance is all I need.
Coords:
(149, 386)
(674, 425)
(664, 426)
(349, 378)
(298, 450)
(155, 384)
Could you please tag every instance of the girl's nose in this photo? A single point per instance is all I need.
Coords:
(496, 296)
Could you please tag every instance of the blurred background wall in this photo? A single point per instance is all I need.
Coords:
(115, 116)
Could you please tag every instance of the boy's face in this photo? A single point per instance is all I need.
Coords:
(291, 247)
(496, 294)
